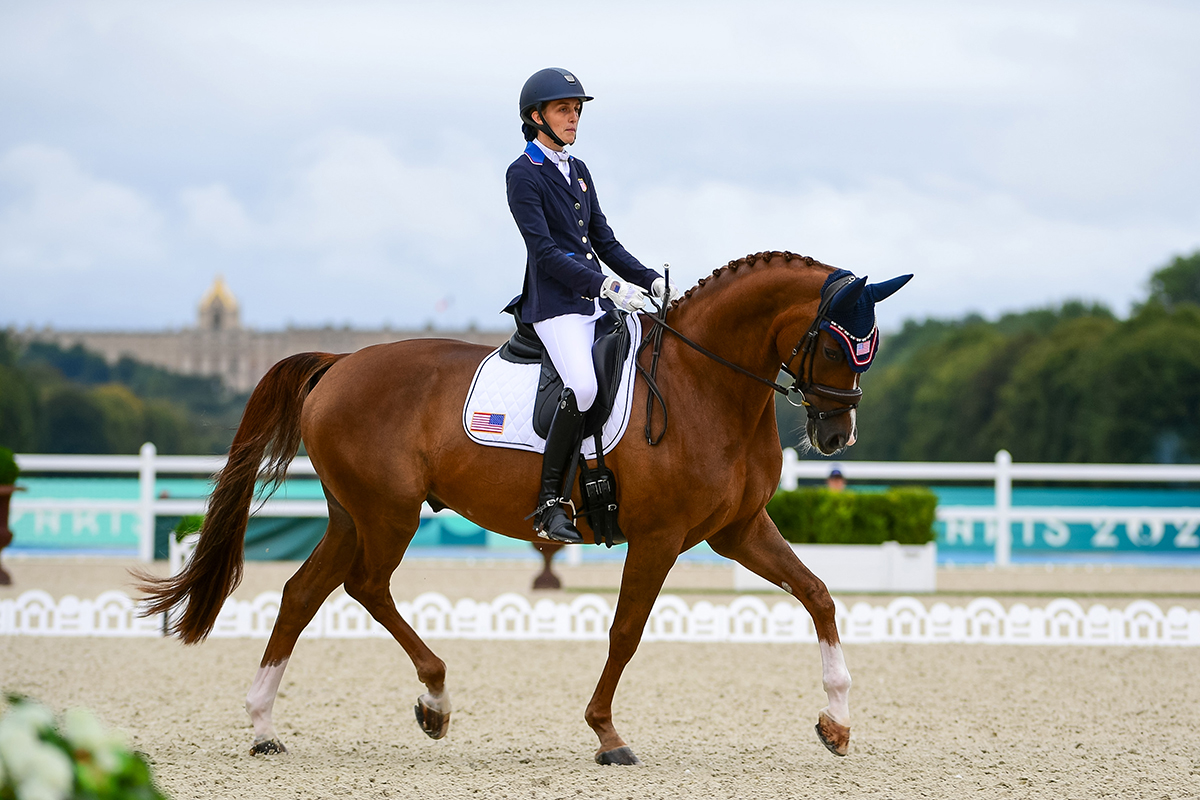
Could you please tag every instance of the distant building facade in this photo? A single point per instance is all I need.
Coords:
(219, 346)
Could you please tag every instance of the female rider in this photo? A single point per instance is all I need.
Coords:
(553, 201)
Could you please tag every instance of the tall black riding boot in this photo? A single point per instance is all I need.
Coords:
(553, 522)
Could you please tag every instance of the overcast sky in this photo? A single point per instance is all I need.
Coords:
(344, 162)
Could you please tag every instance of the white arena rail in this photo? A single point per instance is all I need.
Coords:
(148, 465)
(1138, 522)
(998, 520)
(588, 617)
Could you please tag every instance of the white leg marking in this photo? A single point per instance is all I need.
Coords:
(438, 702)
(836, 680)
(261, 699)
(785, 587)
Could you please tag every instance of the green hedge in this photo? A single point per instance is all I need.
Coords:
(192, 523)
(819, 516)
(8, 467)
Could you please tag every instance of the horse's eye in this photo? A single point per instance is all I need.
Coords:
(833, 354)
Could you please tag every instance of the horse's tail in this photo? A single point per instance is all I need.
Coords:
(270, 426)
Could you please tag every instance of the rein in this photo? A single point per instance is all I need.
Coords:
(805, 348)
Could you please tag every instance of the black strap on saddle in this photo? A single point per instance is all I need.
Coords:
(599, 488)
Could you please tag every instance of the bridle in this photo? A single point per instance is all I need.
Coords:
(802, 378)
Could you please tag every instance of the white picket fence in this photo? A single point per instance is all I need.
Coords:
(1138, 523)
(588, 617)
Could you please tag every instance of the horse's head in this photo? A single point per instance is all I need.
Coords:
(841, 344)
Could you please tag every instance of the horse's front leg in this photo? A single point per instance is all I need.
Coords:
(646, 567)
(760, 548)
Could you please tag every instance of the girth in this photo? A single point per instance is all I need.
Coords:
(609, 350)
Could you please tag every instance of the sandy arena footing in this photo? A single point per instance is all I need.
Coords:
(707, 720)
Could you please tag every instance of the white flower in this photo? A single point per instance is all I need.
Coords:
(81, 728)
(17, 746)
(37, 790)
(50, 775)
(28, 714)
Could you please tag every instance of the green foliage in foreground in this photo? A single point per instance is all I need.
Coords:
(72, 758)
(819, 516)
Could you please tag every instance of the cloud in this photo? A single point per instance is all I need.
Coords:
(213, 213)
(60, 219)
(355, 190)
(969, 249)
(346, 161)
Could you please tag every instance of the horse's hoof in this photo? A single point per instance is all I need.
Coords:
(435, 723)
(267, 747)
(622, 755)
(833, 735)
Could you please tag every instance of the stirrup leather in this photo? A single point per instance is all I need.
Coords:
(549, 504)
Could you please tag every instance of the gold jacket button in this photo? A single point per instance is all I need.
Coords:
(585, 240)
(589, 256)
(581, 223)
(577, 206)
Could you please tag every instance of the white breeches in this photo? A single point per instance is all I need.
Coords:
(568, 340)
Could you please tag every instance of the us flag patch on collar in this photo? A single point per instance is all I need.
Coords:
(582, 185)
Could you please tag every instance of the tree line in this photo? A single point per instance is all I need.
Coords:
(1071, 383)
(56, 400)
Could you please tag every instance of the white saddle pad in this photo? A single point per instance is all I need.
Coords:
(499, 407)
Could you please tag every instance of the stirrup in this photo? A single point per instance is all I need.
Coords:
(544, 533)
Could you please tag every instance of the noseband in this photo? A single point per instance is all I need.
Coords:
(802, 379)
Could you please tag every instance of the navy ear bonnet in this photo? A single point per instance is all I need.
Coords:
(851, 316)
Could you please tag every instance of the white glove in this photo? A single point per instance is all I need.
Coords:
(626, 295)
(659, 287)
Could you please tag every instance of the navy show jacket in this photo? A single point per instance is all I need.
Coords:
(565, 235)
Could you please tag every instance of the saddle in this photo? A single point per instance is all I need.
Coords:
(608, 354)
(609, 351)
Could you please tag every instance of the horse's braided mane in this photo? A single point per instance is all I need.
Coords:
(748, 261)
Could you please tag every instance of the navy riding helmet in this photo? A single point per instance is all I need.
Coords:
(543, 86)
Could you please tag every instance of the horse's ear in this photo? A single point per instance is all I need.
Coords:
(847, 298)
(882, 291)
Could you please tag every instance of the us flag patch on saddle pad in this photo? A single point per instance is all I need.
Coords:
(483, 422)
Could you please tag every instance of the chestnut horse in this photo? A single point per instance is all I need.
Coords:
(383, 427)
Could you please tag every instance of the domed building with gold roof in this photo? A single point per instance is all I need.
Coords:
(219, 308)
(219, 346)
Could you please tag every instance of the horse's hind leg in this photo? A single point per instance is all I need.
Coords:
(759, 548)
(369, 582)
(303, 595)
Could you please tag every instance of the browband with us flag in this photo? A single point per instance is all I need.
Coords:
(846, 310)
